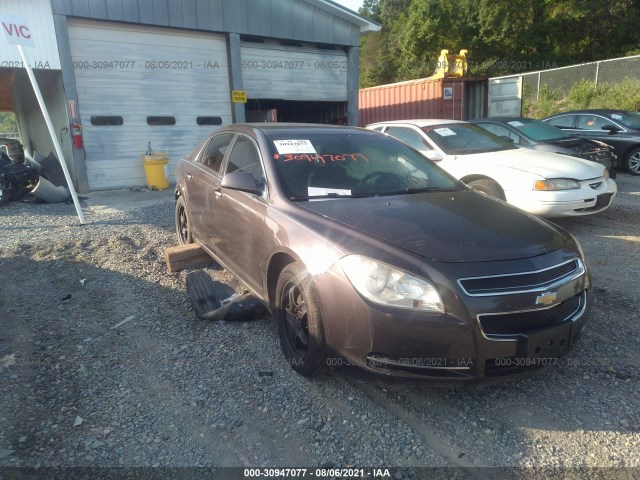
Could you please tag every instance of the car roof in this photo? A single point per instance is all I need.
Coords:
(603, 111)
(502, 119)
(292, 128)
(418, 122)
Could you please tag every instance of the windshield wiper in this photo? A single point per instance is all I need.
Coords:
(420, 190)
(331, 195)
(428, 189)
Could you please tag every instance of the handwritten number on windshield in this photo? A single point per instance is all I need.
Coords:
(341, 157)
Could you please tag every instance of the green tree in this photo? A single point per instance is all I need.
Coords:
(502, 36)
(380, 51)
(8, 123)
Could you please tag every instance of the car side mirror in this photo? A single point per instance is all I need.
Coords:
(610, 128)
(241, 181)
(508, 139)
(432, 155)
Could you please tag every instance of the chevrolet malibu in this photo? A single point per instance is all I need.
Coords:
(368, 254)
(546, 184)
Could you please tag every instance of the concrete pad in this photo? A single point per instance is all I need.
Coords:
(124, 200)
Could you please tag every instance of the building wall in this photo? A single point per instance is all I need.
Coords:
(287, 19)
(37, 13)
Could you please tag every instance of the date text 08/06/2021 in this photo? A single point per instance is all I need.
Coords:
(348, 472)
(182, 64)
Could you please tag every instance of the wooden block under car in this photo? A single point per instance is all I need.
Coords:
(185, 256)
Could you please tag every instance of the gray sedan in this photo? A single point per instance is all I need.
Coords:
(369, 254)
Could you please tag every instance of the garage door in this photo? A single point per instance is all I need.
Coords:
(294, 73)
(138, 85)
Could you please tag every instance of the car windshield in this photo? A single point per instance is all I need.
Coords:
(465, 138)
(537, 130)
(319, 165)
(627, 119)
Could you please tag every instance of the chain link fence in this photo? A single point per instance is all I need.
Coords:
(563, 78)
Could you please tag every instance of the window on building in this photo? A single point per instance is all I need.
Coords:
(155, 121)
(209, 121)
(106, 120)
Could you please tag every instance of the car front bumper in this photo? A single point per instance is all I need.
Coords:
(593, 196)
(454, 345)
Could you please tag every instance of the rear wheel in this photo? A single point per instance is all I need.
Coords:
(488, 186)
(297, 314)
(183, 228)
(633, 162)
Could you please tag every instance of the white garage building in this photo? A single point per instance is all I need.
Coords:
(163, 71)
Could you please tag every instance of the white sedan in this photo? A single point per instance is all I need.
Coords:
(546, 184)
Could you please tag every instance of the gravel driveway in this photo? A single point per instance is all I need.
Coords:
(82, 388)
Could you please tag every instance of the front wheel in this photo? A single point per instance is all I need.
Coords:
(633, 162)
(488, 186)
(297, 314)
(183, 227)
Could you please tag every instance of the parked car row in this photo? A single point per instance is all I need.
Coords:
(371, 245)
(537, 135)
(543, 183)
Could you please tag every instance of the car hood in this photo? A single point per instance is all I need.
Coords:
(576, 144)
(460, 226)
(545, 164)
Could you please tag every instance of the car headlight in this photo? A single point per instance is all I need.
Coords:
(556, 184)
(386, 285)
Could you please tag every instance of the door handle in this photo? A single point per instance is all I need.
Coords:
(218, 192)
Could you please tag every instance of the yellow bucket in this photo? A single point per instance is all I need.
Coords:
(156, 169)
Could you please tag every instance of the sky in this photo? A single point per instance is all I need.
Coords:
(352, 4)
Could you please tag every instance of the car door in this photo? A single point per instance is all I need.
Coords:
(203, 177)
(239, 216)
(564, 122)
(590, 126)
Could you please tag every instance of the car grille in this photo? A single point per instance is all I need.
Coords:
(521, 282)
(601, 202)
(510, 324)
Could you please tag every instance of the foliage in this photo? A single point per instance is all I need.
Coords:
(8, 123)
(502, 36)
(584, 94)
(548, 102)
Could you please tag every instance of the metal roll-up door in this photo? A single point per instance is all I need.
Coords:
(126, 74)
(294, 73)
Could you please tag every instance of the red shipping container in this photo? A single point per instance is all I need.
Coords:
(451, 98)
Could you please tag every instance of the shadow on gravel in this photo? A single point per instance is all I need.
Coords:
(90, 358)
(107, 366)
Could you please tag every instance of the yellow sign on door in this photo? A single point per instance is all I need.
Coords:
(239, 96)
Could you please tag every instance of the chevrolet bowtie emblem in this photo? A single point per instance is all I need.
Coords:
(547, 298)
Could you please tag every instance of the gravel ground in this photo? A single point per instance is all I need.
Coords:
(81, 388)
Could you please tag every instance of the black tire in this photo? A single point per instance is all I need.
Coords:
(299, 320)
(183, 226)
(488, 186)
(632, 162)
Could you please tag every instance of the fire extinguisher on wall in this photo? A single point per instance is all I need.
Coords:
(76, 134)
